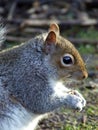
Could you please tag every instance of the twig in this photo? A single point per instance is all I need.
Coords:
(83, 41)
(16, 39)
(11, 11)
(36, 22)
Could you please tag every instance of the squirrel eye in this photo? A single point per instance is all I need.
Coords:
(67, 60)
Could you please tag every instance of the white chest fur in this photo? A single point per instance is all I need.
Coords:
(20, 119)
(59, 89)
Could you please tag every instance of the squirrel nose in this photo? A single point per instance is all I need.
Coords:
(85, 75)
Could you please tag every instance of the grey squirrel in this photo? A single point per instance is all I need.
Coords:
(32, 78)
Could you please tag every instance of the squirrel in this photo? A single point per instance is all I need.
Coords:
(33, 78)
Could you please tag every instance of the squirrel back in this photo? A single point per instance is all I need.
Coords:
(32, 76)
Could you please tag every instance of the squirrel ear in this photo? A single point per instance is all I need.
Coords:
(51, 38)
(50, 42)
(54, 27)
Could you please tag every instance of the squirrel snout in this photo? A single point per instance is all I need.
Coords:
(85, 75)
(80, 75)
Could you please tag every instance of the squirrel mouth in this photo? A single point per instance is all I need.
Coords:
(69, 81)
(67, 76)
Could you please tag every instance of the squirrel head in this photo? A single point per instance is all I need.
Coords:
(64, 55)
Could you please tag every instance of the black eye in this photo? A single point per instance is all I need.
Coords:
(67, 60)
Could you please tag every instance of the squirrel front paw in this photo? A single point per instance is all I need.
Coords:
(75, 100)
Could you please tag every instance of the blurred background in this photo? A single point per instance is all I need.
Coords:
(78, 21)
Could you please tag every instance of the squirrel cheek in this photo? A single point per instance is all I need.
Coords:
(63, 74)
